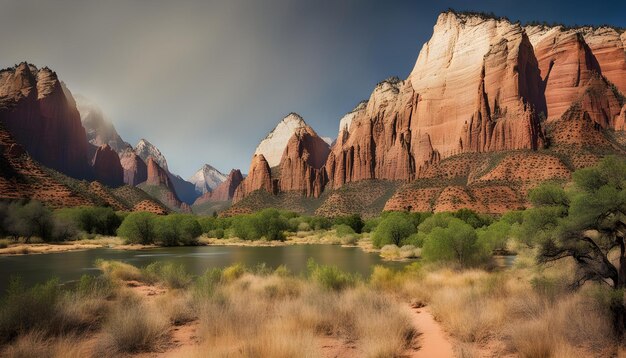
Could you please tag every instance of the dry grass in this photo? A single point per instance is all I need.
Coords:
(530, 313)
(117, 270)
(36, 344)
(132, 327)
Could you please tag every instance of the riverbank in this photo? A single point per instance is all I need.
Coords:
(117, 243)
(112, 242)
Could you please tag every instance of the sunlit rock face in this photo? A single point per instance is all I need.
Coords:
(40, 113)
(259, 178)
(475, 87)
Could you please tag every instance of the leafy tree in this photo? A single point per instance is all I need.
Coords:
(138, 228)
(32, 219)
(588, 225)
(93, 220)
(456, 242)
(354, 221)
(394, 229)
(471, 217)
(175, 229)
(495, 236)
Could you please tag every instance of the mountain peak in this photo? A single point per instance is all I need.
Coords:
(144, 149)
(274, 143)
(207, 178)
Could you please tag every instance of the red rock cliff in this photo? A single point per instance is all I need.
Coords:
(259, 177)
(135, 169)
(225, 190)
(41, 115)
(107, 168)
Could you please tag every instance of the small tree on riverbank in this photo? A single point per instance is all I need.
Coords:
(589, 226)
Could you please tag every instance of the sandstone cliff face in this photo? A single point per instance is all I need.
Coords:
(42, 116)
(107, 168)
(224, 191)
(572, 73)
(135, 169)
(475, 87)
(259, 178)
(159, 185)
(302, 164)
(273, 145)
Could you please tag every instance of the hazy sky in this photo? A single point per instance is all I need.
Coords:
(205, 81)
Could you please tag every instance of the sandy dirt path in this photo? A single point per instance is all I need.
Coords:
(433, 341)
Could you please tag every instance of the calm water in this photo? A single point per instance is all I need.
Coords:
(69, 266)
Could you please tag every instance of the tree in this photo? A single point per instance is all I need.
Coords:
(395, 228)
(456, 242)
(31, 219)
(588, 224)
(138, 228)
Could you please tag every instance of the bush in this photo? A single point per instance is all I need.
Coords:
(171, 274)
(495, 236)
(233, 272)
(4, 243)
(175, 229)
(330, 277)
(455, 243)
(23, 309)
(370, 225)
(92, 220)
(268, 224)
(320, 223)
(472, 218)
(354, 221)
(138, 228)
(343, 230)
(394, 229)
(33, 219)
(206, 284)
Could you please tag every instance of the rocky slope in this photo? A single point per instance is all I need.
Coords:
(24, 178)
(159, 185)
(490, 109)
(185, 190)
(207, 179)
(224, 191)
(41, 115)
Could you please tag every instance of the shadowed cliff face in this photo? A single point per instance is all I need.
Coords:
(225, 191)
(41, 115)
(107, 168)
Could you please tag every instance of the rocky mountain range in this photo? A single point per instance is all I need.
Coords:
(490, 109)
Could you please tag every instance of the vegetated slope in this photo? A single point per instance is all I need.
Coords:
(24, 178)
(491, 109)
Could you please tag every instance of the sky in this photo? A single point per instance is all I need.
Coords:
(206, 81)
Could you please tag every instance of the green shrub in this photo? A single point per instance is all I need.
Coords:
(175, 229)
(394, 229)
(354, 221)
(330, 277)
(233, 272)
(32, 219)
(268, 224)
(457, 242)
(171, 274)
(23, 309)
(495, 236)
(95, 286)
(138, 228)
(320, 223)
(206, 283)
(92, 220)
(472, 218)
(343, 230)
(370, 225)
